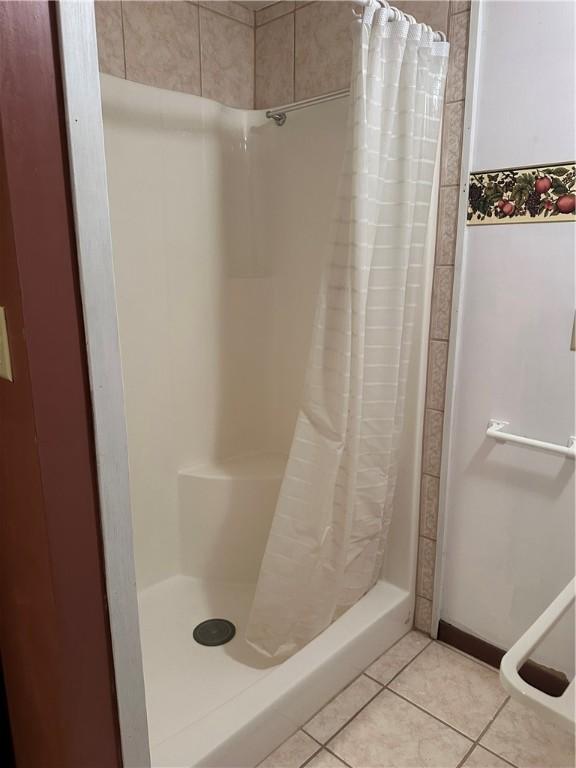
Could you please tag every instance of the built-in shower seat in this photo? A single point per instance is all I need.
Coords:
(226, 509)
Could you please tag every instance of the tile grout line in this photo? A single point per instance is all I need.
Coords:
(324, 747)
(500, 708)
(364, 673)
(454, 101)
(312, 756)
(123, 39)
(294, 53)
(337, 757)
(303, 727)
(467, 755)
(354, 716)
(272, 2)
(435, 717)
(491, 751)
(308, 759)
(477, 741)
(254, 68)
(199, 22)
(351, 683)
(435, 410)
(274, 18)
(383, 687)
(224, 15)
(420, 561)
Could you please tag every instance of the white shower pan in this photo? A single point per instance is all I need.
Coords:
(223, 706)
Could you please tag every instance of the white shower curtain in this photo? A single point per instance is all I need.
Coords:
(328, 536)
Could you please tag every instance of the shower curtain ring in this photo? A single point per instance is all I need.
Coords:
(390, 12)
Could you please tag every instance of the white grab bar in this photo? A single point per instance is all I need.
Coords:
(496, 431)
(559, 709)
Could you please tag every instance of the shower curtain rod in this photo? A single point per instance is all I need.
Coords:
(279, 113)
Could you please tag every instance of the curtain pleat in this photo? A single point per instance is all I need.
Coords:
(328, 537)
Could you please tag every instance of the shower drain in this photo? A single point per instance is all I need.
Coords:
(214, 632)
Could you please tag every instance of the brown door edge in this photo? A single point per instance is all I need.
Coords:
(54, 631)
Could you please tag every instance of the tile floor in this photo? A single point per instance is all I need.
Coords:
(424, 705)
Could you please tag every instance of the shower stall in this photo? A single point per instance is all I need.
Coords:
(220, 222)
(220, 225)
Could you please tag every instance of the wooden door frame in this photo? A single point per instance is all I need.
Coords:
(68, 627)
(83, 118)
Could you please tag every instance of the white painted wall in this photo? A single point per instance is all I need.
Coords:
(509, 545)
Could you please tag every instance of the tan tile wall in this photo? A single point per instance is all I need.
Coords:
(204, 48)
(303, 49)
(289, 51)
(161, 44)
(283, 52)
(110, 35)
(459, 20)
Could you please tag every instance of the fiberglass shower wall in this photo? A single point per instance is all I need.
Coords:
(220, 222)
(194, 307)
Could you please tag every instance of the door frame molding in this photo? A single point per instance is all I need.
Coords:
(81, 85)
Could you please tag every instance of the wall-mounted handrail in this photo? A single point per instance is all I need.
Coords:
(496, 430)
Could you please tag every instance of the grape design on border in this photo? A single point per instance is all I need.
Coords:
(542, 193)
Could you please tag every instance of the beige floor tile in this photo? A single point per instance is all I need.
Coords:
(391, 733)
(391, 662)
(522, 737)
(481, 758)
(455, 689)
(338, 711)
(325, 759)
(295, 751)
(466, 656)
